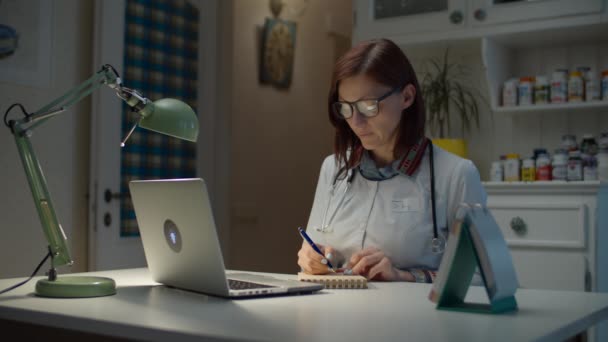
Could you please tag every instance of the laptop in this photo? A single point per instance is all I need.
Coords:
(182, 248)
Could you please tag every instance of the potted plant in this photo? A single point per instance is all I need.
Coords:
(445, 95)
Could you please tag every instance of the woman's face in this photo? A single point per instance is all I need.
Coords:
(377, 133)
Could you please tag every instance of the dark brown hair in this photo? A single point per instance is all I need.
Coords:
(385, 62)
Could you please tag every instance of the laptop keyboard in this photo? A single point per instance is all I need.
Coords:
(245, 285)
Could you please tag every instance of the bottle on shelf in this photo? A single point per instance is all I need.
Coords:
(538, 151)
(585, 71)
(560, 165)
(512, 168)
(528, 170)
(569, 142)
(603, 140)
(525, 91)
(592, 91)
(509, 92)
(589, 145)
(543, 167)
(496, 172)
(589, 149)
(541, 90)
(575, 166)
(559, 86)
(590, 168)
(576, 87)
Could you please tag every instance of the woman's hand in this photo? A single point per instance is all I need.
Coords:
(374, 265)
(312, 262)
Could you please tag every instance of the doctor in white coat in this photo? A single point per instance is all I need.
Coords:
(374, 213)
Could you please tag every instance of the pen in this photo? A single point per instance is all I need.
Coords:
(313, 245)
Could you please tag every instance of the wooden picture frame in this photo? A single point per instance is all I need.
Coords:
(277, 52)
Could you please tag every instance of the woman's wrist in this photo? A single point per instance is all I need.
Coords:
(405, 276)
(421, 275)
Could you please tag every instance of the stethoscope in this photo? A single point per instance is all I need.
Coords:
(437, 242)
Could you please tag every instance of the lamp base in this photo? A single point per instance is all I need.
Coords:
(76, 286)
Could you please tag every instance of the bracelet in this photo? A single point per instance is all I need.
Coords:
(419, 275)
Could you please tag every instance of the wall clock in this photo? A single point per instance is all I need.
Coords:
(278, 47)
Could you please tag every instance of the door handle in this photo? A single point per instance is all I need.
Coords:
(108, 195)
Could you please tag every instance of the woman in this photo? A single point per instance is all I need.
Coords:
(372, 214)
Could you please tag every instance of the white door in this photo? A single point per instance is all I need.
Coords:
(489, 12)
(107, 249)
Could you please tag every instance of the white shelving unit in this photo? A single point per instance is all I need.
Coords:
(581, 107)
(566, 243)
(486, 13)
(465, 19)
(536, 53)
(563, 186)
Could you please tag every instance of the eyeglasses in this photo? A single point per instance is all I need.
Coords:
(367, 108)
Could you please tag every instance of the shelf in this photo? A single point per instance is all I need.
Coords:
(579, 107)
(504, 58)
(578, 187)
(564, 35)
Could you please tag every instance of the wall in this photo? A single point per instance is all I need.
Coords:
(61, 146)
(261, 202)
(222, 127)
(279, 137)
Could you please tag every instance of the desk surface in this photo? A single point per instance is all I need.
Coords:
(145, 310)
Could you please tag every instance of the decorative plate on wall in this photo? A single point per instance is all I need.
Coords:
(278, 46)
(8, 40)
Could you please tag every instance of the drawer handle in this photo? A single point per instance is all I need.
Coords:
(518, 225)
(456, 17)
(479, 14)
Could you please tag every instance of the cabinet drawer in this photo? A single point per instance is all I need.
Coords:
(542, 225)
(550, 270)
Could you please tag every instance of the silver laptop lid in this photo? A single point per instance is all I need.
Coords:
(182, 246)
(178, 233)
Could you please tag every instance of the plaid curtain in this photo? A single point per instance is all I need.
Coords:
(160, 61)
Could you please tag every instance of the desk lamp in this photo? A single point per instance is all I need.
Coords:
(166, 116)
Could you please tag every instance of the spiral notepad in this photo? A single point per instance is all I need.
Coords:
(335, 280)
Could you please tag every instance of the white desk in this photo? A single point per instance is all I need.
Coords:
(385, 312)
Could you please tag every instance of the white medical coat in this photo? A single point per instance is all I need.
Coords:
(394, 215)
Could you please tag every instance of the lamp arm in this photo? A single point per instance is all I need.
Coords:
(52, 229)
(22, 130)
(105, 76)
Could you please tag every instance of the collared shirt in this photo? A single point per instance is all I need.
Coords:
(394, 214)
(369, 170)
(407, 165)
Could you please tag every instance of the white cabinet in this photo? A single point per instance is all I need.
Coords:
(419, 21)
(491, 12)
(541, 52)
(554, 234)
(383, 18)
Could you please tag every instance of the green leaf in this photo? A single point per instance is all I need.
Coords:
(446, 94)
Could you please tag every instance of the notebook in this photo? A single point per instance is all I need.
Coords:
(182, 248)
(335, 280)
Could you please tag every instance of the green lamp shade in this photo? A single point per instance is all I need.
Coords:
(171, 117)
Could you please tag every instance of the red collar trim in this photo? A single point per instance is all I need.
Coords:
(413, 157)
